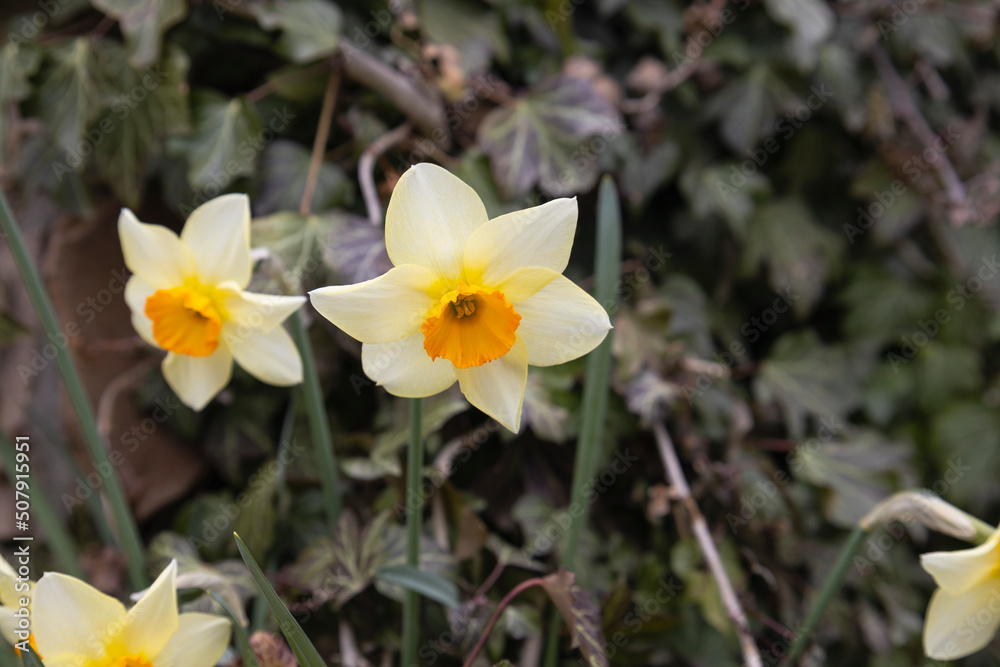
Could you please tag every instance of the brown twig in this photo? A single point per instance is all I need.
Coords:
(675, 475)
(904, 107)
(106, 403)
(524, 585)
(366, 166)
(319, 142)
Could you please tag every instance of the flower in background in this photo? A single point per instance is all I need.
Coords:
(11, 593)
(469, 298)
(75, 624)
(964, 612)
(187, 297)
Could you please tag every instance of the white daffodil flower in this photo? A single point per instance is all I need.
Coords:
(964, 612)
(187, 297)
(75, 624)
(469, 298)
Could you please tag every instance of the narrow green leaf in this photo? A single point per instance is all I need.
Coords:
(242, 641)
(428, 584)
(303, 649)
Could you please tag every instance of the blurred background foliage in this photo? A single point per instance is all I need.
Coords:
(809, 296)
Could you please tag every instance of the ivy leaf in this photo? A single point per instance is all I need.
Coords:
(967, 439)
(581, 614)
(543, 138)
(143, 23)
(811, 23)
(256, 523)
(858, 473)
(224, 143)
(310, 29)
(806, 378)
(153, 107)
(471, 27)
(798, 252)
(73, 91)
(284, 166)
(881, 306)
(725, 191)
(356, 250)
(296, 242)
(428, 584)
(748, 106)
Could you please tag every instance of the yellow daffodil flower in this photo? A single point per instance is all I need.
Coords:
(12, 592)
(964, 612)
(187, 297)
(469, 298)
(75, 625)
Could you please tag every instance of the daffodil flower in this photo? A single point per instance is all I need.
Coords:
(187, 297)
(964, 612)
(76, 625)
(469, 298)
(12, 592)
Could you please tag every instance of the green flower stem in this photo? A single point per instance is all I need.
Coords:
(318, 425)
(129, 537)
(56, 535)
(595, 391)
(414, 517)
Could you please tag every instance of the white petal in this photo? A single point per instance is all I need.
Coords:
(430, 217)
(8, 623)
(404, 368)
(270, 357)
(383, 309)
(960, 571)
(497, 388)
(260, 312)
(560, 323)
(150, 624)
(71, 617)
(153, 252)
(218, 234)
(200, 641)
(8, 584)
(525, 282)
(196, 380)
(541, 236)
(958, 625)
(137, 291)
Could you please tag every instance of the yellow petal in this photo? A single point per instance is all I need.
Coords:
(383, 309)
(196, 380)
(560, 323)
(959, 625)
(250, 311)
(150, 624)
(69, 617)
(541, 236)
(137, 291)
(404, 368)
(153, 252)
(497, 388)
(270, 357)
(960, 571)
(200, 641)
(218, 235)
(430, 217)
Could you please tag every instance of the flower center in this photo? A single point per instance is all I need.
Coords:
(134, 661)
(186, 319)
(471, 326)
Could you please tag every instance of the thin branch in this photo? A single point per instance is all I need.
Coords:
(366, 167)
(270, 86)
(751, 655)
(106, 403)
(906, 110)
(524, 585)
(319, 142)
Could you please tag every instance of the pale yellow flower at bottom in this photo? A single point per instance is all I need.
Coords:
(964, 612)
(75, 625)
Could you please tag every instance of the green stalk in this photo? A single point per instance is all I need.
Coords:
(830, 587)
(414, 516)
(56, 535)
(595, 391)
(322, 440)
(131, 542)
